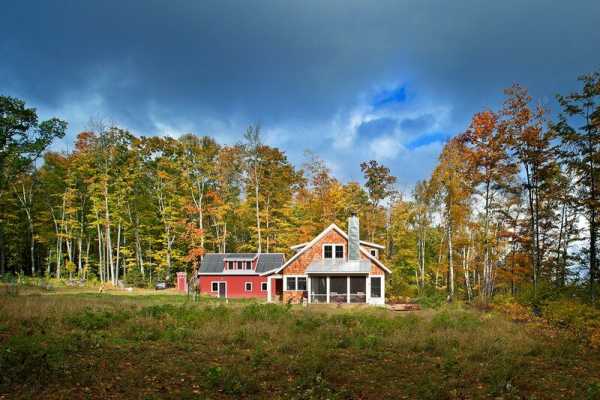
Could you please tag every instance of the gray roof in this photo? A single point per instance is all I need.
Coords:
(215, 262)
(339, 267)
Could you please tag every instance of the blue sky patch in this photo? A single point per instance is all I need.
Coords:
(389, 97)
(427, 139)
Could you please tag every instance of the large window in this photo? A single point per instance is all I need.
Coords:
(331, 251)
(295, 283)
(376, 286)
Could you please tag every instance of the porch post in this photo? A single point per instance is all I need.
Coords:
(348, 289)
(269, 297)
(327, 288)
(308, 287)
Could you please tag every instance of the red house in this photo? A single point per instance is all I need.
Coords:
(238, 274)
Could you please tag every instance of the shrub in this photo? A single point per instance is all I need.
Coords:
(459, 320)
(264, 312)
(90, 320)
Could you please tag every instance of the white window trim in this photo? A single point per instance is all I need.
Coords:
(246, 286)
(333, 251)
(381, 294)
(212, 286)
(266, 286)
(285, 278)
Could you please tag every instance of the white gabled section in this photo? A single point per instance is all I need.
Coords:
(308, 245)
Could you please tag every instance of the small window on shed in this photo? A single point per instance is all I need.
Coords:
(248, 286)
(215, 286)
(263, 286)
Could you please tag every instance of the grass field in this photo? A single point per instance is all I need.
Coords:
(76, 343)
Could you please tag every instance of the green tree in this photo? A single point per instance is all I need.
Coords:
(23, 138)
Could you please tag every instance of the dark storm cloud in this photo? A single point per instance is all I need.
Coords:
(306, 70)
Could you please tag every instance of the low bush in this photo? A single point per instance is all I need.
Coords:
(92, 320)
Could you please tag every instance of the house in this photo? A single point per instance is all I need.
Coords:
(237, 274)
(334, 267)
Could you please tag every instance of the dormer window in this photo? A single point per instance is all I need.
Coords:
(333, 251)
(248, 264)
(230, 265)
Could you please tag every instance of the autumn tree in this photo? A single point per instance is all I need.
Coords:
(579, 129)
(486, 149)
(380, 186)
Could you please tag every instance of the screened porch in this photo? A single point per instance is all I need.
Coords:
(338, 289)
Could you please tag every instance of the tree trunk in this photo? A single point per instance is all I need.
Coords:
(450, 265)
(259, 245)
(2, 253)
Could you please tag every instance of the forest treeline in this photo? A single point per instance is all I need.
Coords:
(511, 205)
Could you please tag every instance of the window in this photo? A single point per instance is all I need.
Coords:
(240, 265)
(248, 286)
(375, 286)
(301, 283)
(215, 286)
(290, 283)
(295, 283)
(333, 251)
(263, 286)
(248, 264)
(230, 265)
(374, 252)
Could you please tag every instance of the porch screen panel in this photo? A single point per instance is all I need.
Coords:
(318, 289)
(338, 289)
(358, 289)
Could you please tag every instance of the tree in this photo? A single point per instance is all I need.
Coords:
(22, 140)
(524, 129)
(486, 149)
(451, 186)
(254, 171)
(579, 129)
(380, 185)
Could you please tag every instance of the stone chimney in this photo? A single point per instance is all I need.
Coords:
(353, 238)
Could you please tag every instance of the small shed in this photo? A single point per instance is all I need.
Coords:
(182, 282)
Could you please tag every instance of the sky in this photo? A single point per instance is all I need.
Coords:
(347, 80)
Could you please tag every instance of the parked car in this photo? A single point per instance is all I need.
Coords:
(161, 286)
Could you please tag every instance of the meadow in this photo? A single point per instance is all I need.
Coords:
(71, 343)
